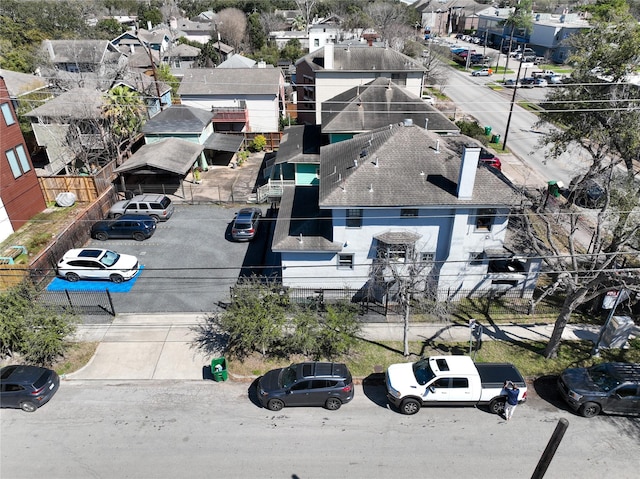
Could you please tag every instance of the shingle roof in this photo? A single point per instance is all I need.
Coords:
(80, 51)
(21, 83)
(172, 155)
(231, 81)
(178, 119)
(399, 166)
(365, 58)
(377, 104)
(76, 104)
(224, 142)
(300, 144)
(301, 226)
(237, 61)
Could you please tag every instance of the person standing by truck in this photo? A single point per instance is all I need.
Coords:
(512, 399)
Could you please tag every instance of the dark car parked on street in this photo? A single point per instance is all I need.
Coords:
(608, 387)
(306, 384)
(138, 227)
(27, 387)
(245, 224)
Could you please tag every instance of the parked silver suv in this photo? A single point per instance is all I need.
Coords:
(159, 207)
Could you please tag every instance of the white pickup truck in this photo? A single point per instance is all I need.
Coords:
(451, 380)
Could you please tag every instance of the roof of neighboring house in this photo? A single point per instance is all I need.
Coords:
(430, 6)
(19, 84)
(58, 151)
(380, 103)
(351, 58)
(182, 50)
(301, 225)
(140, 58)
(403, 166)
(172, 154)
(178, 119)
(300, 144)
(155, 36)
(224, 142)
(237, 61)
(76, 104)
(231, 81)
(80, 51)
(142, 83)
(190, 26)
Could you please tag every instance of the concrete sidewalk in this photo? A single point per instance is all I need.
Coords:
(159, 346)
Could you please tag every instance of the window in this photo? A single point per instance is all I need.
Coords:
(427, 257)
(485, 218)
(476, 259)
(18, 161)
(409, 212)
(459, 383)
(354, 218)
(316, 42)
(7, 113)
(345, 261)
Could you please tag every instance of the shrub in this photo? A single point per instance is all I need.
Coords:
(259, 143)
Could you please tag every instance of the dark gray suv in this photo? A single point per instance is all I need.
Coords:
(306, 384)
(27, 387)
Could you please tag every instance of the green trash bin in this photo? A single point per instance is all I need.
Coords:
(487, 130)
(219, 369)
(554, 188)
(495, 139)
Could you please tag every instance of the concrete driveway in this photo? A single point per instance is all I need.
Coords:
(149, 346)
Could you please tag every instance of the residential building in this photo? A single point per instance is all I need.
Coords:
(197, 31)
(397, 194)
(330, 30)
(83, 56)
(377, 104)
(194, 125)
(241, 99)
(334, 69)
(20, 195)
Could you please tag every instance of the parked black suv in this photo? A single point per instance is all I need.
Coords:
(138, 227)
(609, 387)
(27, 387)
(306, 384)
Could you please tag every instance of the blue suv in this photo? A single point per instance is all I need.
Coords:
(138, 227)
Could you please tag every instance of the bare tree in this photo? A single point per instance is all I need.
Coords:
(271, 22)
(404, 273)
(586, 253)
(232, 26)
(306, 6)
(387, 18)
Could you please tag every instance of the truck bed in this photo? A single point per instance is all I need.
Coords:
(493, 375)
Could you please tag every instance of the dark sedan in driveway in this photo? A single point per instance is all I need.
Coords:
(138, 227)
(27, 387)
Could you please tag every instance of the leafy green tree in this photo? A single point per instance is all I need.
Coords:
(255, 30)
(255, 319)
(599, 110)
(110, 27)
(163, 73)
(149, 14)
(125, 112)
(338, 331)
(32, 330)
(268, 53)
(292, 50)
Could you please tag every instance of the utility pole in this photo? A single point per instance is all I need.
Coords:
(513, 101)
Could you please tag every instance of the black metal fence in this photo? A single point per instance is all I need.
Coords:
(79, 302)
(467, 303)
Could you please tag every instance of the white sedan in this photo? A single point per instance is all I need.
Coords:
(485, 72)
(91, 263)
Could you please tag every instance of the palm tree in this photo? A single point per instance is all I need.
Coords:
(124, 112)
(519, 19)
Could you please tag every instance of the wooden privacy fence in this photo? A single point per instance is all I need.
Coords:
(86, 188)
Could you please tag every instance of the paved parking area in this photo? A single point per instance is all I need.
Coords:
(190, 262)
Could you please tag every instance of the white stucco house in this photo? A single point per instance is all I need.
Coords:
(241, 99)
(396, 194)
(334, 69)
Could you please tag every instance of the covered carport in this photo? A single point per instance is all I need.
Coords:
(160, 167)
(222, 148)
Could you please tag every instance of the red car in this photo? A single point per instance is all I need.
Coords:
(490, 159)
